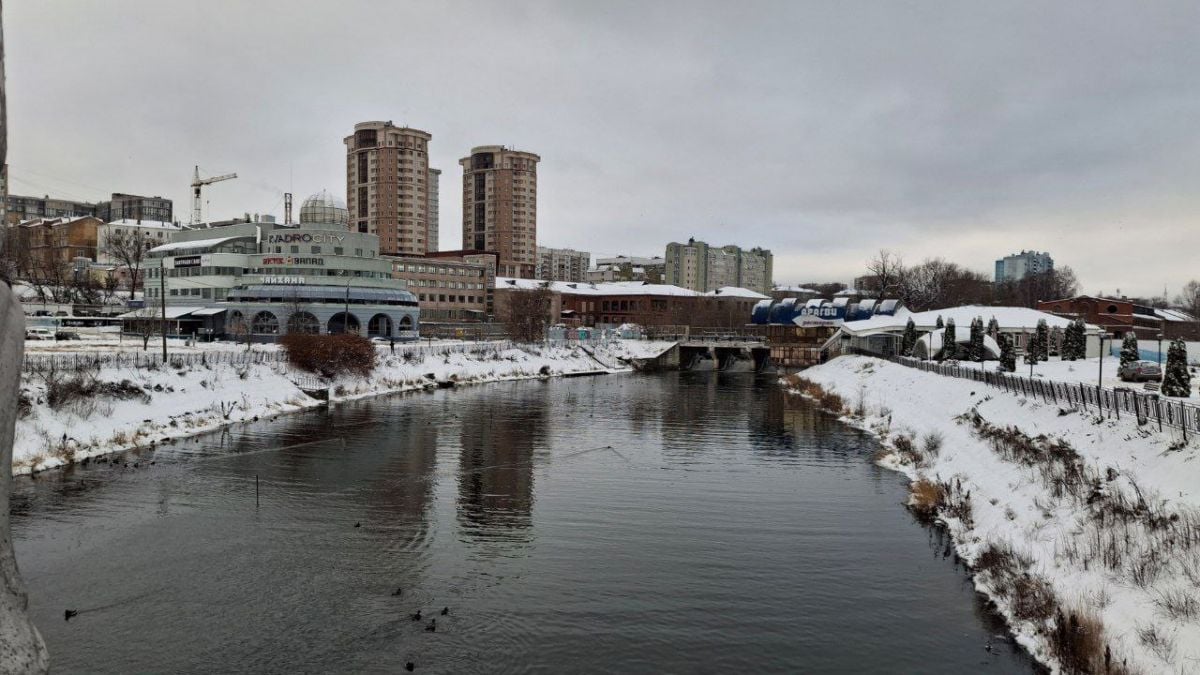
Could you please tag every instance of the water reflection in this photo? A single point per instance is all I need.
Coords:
(694, 522)
(498, 440)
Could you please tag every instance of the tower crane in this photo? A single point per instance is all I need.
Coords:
(197, 183)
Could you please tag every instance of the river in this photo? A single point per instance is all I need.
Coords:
(675, 523)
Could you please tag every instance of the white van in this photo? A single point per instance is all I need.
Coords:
(39, 334)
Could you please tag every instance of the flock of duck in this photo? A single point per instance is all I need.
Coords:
(430, 627)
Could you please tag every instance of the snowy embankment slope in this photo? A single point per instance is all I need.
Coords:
(139, 407)
(1056, 511)
(1083, 371)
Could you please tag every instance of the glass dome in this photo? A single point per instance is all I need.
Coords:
(324, 209)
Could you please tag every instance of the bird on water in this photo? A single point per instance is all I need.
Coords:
(432, 627)
(417, 616)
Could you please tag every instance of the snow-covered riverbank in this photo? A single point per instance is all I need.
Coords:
(123, 408)
(1085, 532)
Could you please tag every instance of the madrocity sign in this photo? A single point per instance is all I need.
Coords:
(305, 238)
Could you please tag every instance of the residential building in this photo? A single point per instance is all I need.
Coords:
(20, 209)
(47, 246)
(387, 186)
(448, 290)
(628, 268)
(1117, 317)
(434, 182)
(701, 267)
(488, 260)
(135, 207)
(798, 292)
(562, 264)
(500, 207)
(261, 280)
(1020, 265)
(613, 304)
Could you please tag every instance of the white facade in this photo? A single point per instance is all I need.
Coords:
(1020, 265)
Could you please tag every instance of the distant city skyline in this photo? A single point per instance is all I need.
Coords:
(966, 132)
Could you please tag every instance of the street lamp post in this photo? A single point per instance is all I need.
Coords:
(1100, 378)
(1160, 337)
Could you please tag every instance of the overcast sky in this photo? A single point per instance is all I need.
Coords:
(823, 131)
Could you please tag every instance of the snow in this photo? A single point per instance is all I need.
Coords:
(1013, 504)
(1086, 371)
(1009, 318)
(181, 401)
(737, 292)
(605, 288)
(195, 243)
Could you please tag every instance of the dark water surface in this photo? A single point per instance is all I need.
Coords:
(679, 523)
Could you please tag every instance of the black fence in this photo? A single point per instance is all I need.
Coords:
(1145, 407)
(40, 363)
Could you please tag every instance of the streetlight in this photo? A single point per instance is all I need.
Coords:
(1160, 337)
(1100, 379)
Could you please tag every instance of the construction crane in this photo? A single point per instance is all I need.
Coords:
(197, 183)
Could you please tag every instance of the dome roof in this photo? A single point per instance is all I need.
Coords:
(324, 208)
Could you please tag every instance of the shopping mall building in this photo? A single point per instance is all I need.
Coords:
(260, 280)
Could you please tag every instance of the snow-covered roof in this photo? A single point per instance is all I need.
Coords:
(148, 224)
(195, 243)
(737, 292)
(1174, 315)
(850, 291)
(795, 289)
(584, 288)
(173, 312)
(1008, 318)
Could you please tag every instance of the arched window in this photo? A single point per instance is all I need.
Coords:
(406, 322)
(380, 325)
(303, 323)
(264, 323)
(1111, 309)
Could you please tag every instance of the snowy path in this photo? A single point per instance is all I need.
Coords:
(1103, 516)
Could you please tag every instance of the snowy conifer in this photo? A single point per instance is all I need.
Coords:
(1042, 340)
(949, 344)
(1177, 381)
(940, 323)
(993, 328)
(909, 339)
(975, 350)
(1074, 341)
(1129, 349)
(1008, 357)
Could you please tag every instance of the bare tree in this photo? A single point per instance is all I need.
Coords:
(529, 314)
(1189, 299)
(128, 248)
(887, 269)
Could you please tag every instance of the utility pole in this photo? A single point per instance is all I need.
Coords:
(162, 301)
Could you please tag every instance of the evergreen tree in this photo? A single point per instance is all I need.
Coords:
(1074, 341)
(940, 323)
(1042, 340)
(909, 339)
(976, 351)
(993, 328)
(1129, 349)
(1056, 340)
(1008, 357)
(1177, 381)
(949, 344)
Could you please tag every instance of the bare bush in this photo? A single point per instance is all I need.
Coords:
(927, 498)
(1077, 642)
(1157, 641)
(330, 355)
(1178, 604)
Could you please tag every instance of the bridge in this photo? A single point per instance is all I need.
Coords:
(743, 351)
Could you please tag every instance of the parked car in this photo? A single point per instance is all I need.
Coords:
(66, 335)
(39, 334)
(1140, 371)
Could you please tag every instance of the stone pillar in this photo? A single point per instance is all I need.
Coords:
(21, 646)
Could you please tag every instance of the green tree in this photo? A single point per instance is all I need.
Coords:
(976, 350)
(1042, 340)
(909, 339)
(1074, 341)
(940, 323)
(1129, 349)
(993, 328)
(949, 343)
(1008, 356)
(1177, 381)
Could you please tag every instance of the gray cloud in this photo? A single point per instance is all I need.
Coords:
(821, 130)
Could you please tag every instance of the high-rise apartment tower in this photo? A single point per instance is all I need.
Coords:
(387, 186)
(500, 207)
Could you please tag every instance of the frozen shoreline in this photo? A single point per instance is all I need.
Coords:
(1099, 523)
(150, 407)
